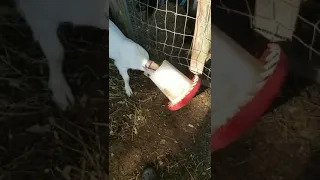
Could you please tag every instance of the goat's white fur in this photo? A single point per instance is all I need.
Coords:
(44, 18)
(126, 54)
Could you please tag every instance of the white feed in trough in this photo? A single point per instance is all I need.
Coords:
(237, 77)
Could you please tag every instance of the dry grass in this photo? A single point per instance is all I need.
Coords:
(38, 141)
(144, 132)
(132, 113)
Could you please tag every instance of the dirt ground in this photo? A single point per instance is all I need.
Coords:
(37, 141)
(144, 132)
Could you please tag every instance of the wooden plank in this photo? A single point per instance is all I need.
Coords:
(120, 14)
(202, 37)
(270, 13)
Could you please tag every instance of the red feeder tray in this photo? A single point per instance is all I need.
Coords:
(252, 111)
(196, 83)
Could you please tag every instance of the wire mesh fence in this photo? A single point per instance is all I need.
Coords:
(168, 33)
(299, 33)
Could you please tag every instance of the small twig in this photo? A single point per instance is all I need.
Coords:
(101, 124)
(69, 134)
(81, 128)
(4, 59)
(189, 172)
(170, 138)
(25, 106)
(145, 100)
(13, 162)
(23, 114)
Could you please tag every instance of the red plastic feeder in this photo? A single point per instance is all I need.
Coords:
(252, 110)
(178, 88)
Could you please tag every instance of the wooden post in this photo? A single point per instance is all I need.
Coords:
(202, 37)
(276, 18)
(120, 14)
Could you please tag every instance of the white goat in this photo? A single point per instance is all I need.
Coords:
(127, 55)
(44, 18)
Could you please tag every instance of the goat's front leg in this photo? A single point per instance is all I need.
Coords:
(54, 52)
(124, 73)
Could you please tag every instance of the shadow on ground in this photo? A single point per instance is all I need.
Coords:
(144, 132)
(37, 141)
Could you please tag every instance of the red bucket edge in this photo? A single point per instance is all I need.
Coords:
(251, 112)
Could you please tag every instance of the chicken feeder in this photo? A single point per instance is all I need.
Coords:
(244, 87)
(178, 88)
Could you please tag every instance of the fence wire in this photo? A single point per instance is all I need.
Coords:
(167, 34)
(305, 32)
